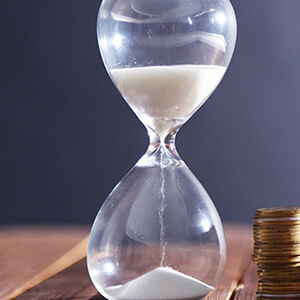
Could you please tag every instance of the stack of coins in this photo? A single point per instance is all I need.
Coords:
(277, 252)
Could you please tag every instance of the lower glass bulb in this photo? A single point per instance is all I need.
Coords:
(158, 235)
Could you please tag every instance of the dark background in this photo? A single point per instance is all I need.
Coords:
(67, 137)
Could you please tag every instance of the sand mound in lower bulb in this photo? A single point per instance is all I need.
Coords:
(161, 283)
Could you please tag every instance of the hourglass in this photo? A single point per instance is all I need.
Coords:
(158, 235)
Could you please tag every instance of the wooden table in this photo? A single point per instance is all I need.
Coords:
(49, 263)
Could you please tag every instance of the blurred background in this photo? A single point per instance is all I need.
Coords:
(67, 137)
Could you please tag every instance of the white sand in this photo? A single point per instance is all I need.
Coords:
(161, 283)
(167, 92)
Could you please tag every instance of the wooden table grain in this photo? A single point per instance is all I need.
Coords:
(49, 263)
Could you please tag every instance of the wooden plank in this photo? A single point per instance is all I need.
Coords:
(239, 249)
(69, 258)
(247, 286)
(26, 252)
(74, 282)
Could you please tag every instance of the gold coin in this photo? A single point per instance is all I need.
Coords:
(278, 297)
(274, 235)
(285, 249)
(283, 294)
(276, 220)
(276, 283)
(277, 217)
(273, 227)
(278, 290)
(277, 242)
(279, 255)
(279, 278)
(278, 247)
(259, 245)
(286, 280)
(268, 228)
(272, 262)
(277, 208)
(279, 273)
(275, 267)
(274, 223)
(277, 211)
(274, 255)
(265, 296)
(277, 233)
(275, 277)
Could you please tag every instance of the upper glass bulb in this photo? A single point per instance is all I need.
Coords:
(147, 45)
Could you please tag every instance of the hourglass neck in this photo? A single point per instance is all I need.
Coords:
(161, 151)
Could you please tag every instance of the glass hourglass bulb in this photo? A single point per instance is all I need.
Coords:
(158, 234)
